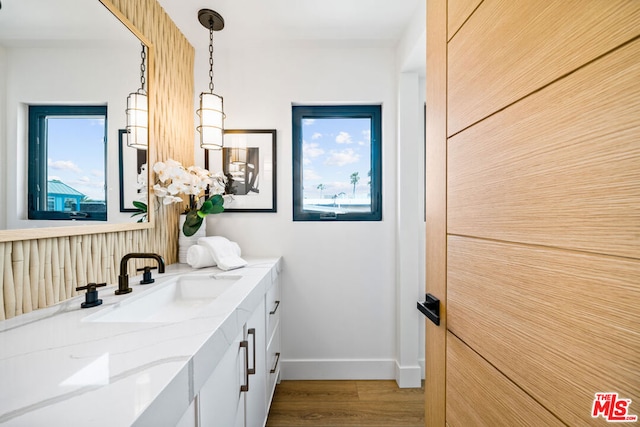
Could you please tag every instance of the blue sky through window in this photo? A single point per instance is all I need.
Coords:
(76, 153)
(332, 150)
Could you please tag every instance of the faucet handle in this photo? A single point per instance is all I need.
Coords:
(91, 297)
(91, 286)
(146, 276)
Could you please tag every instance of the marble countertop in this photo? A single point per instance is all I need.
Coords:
(57, 369)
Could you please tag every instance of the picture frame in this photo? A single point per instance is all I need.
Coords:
(248, 158)
(131, 161)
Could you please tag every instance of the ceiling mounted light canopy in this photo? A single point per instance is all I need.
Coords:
(211, 110)
(138, 111)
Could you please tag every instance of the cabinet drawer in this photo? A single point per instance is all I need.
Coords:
(273, 364)
(273, 308)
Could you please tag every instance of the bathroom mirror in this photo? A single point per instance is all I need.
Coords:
(68, 53)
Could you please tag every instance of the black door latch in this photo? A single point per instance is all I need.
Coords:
(430, 308)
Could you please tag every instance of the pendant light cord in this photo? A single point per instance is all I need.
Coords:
(211, 56)
(143, 68)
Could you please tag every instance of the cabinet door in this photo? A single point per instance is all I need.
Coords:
(257, 395)
(221, 403)
(273, 338)
(273, 364)
(190, 418)
(273, 307)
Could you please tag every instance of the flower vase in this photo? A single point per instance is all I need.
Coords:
(184, 242)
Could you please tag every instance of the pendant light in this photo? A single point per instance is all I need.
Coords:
(211, 110)
(138, 111)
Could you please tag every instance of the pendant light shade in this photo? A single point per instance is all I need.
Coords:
(211, 109)
(137, 121)
(138, 112)
(211, 127)
(238, 149)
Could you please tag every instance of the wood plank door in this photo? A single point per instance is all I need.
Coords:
(533, 212)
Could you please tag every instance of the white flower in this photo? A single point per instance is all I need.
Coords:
(159, 190)
(171, 199)
(174, 180)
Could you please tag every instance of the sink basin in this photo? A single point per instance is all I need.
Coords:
(178, 299)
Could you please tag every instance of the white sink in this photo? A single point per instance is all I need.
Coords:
(178, 299)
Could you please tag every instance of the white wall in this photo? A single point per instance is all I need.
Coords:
(67, 76)
(3, 129)
(349, 288)
(411, 235)
(339, 290)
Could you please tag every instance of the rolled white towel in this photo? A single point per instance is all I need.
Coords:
(200, 257)
(236, 248)
(225, 253)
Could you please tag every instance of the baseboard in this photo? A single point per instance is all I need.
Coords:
(408, 376)
(338, 369)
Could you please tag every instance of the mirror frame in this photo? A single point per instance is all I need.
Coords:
(76, 230)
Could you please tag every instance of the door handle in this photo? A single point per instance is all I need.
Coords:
(430, 308)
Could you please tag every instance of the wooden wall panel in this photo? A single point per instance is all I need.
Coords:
(41, 271)
(517, 306)
(472, 383)
(459, 11)
(510, 48)
(559, 168)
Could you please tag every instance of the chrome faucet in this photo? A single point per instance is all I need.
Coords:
(123, 278)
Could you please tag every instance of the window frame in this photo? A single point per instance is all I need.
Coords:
(370, 111)
(37, 170)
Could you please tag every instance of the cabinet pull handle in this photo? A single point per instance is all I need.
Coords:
(245, 344)
(276, 308)
(273, 371)
(252, 371)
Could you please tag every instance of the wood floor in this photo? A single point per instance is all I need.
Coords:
(346, 403)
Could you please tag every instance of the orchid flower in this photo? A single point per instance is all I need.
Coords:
(203, 188)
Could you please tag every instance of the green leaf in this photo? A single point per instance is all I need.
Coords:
(213, 205)
(142, 210)
(206, 208)
(217, 199)
(140, 205)
(192, 223)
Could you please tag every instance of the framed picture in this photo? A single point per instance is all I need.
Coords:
(131, 163)
(248, 160)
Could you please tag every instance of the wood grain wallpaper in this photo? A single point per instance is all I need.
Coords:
(38, 273)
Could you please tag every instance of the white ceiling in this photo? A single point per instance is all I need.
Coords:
(379, 22)
(48, 22)
(247, 22)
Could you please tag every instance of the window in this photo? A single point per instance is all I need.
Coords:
(67, 162)
(337, 166)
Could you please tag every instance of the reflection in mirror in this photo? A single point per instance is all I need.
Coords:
(67, 54)
(64, 142)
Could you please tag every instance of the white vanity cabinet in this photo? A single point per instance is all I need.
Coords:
(256, 396)
(273, 300)
(239, 391)
(221, 401)
(183, 366)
